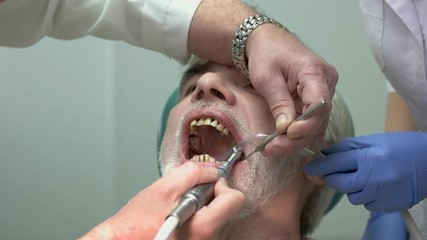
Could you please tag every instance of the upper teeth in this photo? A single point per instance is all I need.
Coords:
(208, 122)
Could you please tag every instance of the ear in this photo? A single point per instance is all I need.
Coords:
(316, 180)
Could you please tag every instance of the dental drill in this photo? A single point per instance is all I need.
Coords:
(200, 195)
(197, 197)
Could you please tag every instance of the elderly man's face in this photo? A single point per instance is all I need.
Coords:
(218, 108)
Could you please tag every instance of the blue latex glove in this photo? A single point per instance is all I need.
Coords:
(390, 226)
(386, 172)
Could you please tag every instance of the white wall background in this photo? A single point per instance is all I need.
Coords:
(78, 120)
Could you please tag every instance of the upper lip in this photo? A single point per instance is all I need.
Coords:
(206, 113)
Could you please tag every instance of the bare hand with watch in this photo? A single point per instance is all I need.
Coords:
(289, 76)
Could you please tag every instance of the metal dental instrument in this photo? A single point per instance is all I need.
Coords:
(200, 195)
(310, 112)
(197, 197)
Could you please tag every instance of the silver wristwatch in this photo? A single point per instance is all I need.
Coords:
(241, 36)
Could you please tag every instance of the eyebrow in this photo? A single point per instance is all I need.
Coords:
(201, 66)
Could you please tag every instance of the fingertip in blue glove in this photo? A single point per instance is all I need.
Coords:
(390, 226)
(386, 172)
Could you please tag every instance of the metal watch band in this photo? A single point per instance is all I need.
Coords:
(241, 36)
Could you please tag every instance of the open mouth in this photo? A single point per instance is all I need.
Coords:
(208, 140)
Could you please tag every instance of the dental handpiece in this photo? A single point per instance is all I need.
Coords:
(202, 194)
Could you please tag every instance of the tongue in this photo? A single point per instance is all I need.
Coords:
(213, 142)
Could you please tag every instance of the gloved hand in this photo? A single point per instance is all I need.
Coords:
(386, 172)
(390, 226)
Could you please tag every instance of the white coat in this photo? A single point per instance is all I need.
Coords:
(396, 32)
(159, 25)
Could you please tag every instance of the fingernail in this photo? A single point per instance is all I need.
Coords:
(223, 182)
(282, 122)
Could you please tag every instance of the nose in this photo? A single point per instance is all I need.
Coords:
(213, 87)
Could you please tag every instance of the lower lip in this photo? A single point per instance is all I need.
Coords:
(207, 164)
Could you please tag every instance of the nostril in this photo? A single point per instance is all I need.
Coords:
(200, 95)
(217, 94)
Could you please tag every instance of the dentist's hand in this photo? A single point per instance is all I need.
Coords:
(390, 226)
(226, 205)
(291, 78)
(386, 172)
(143, 215)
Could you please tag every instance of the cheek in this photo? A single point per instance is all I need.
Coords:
(169, 145)
(259, 116)
(173, 122)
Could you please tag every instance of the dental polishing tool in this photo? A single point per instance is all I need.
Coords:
(198, 196)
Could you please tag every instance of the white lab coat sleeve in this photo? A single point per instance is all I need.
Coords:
(159, 25)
